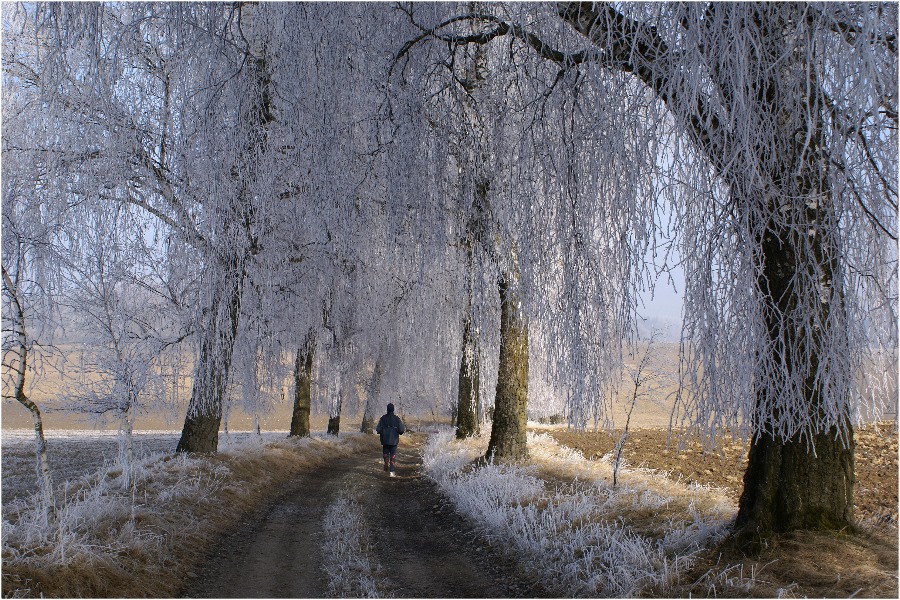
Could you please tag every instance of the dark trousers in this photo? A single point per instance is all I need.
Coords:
(390, 454)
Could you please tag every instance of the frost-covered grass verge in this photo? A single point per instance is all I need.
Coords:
(568, 525)
(113, 540)
(347, 554)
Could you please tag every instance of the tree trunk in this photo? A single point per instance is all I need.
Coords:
(302, 396)
(368, 421)
(508, 440)
(43, 462)
(334, 419)
(804, 480)
(334, 425)
(467, 421)
(237, 245)
(787, 487)
(126, 449)
(204, 414)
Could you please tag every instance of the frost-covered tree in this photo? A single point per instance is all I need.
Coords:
(770, 131)
(118, 76)
(26, 312)
(33, 216)
(555, 250)
(126, 323)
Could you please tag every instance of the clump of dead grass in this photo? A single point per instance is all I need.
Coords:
(113, 540)
(800, 564)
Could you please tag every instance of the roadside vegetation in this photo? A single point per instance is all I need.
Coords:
(561, 515)
(108, 540)
(663, 531)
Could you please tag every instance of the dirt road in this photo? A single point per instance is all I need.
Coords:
(427, 551)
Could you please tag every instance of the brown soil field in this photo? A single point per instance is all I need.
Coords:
(802, 564)
(876, 463)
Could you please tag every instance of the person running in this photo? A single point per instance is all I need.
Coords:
(390, 428)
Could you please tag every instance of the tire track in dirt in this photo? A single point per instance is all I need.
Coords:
(275, 553)
(424, 548)
(427, 550)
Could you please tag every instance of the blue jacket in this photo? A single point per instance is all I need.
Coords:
(391, 428)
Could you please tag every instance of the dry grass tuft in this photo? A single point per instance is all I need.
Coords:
(799, 565)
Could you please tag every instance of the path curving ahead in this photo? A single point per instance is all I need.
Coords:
(427, 551)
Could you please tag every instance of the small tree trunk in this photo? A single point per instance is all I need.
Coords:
(302, 396)
(368, 421)
(42, 463)
(334, 419)
(508, 441)
(126, 451)
(467, 421)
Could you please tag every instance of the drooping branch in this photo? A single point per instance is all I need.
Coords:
(634, 47)
(500, 29)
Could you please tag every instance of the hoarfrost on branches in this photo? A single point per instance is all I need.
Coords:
(307, 175)
(665, 121)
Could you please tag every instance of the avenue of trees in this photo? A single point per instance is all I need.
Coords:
(463, 202)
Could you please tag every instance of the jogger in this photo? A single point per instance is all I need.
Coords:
(390, 428)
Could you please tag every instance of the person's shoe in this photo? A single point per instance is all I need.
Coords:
(393, 474)
(386, 468)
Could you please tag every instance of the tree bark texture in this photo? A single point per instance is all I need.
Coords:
(786, 487)
(803, 480)
(508, 441)
(467, 422)
(302, 393)
(204, 415)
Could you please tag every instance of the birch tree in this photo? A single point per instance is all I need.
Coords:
(122, 313)
(560, 256)
(25, 303)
